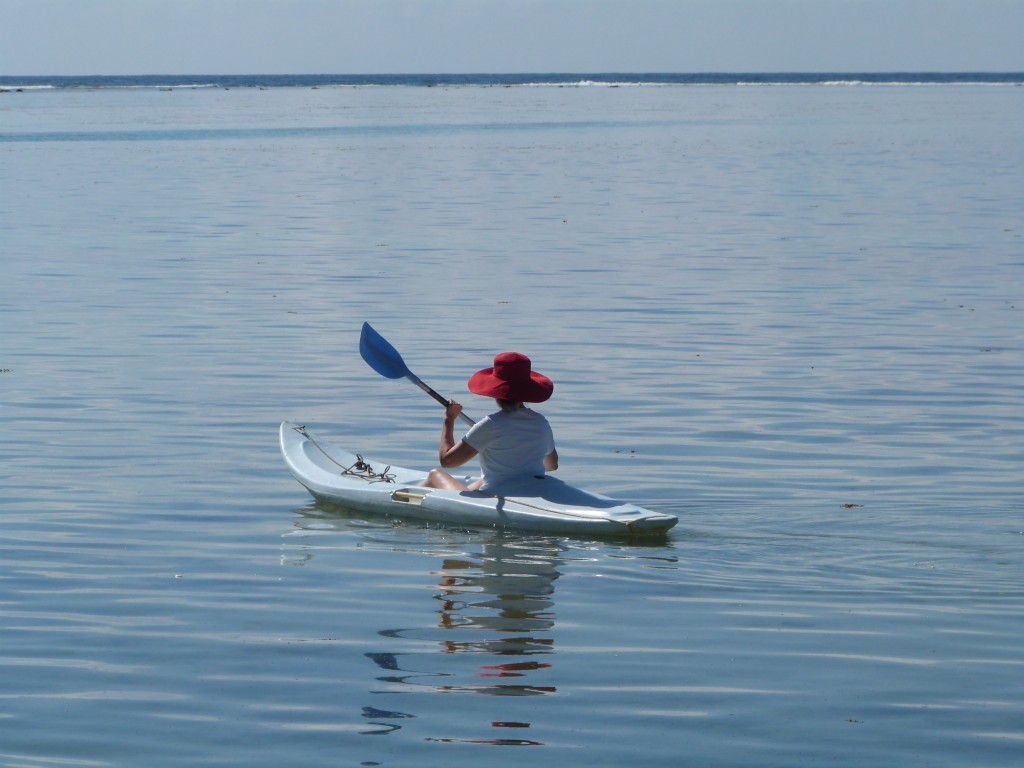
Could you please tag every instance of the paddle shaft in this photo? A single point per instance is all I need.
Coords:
(436, 395)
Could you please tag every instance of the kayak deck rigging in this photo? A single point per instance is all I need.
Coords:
(360, 468)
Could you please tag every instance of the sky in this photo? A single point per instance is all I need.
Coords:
(102, 37)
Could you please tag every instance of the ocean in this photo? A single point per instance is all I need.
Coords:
(545, 80)
(786, 308)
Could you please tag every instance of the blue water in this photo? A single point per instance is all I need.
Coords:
(789, 315)
(613, 79)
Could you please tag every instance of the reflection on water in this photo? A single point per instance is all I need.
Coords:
(498, 607)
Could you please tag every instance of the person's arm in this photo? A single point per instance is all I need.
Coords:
(450, 453)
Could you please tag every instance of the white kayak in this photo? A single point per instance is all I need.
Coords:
(538, 504)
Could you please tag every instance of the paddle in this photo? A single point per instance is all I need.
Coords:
(386, 361)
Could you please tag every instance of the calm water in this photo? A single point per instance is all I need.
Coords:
(791, 315)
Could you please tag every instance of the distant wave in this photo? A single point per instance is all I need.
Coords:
(5, 87)
(172, 86)
(1018, 80)
(56, 84)
(561, 80)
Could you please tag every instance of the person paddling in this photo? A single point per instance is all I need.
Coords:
(513, 443)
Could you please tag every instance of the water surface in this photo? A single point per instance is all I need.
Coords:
(790, 315)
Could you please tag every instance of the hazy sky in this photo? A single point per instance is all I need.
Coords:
(55, 37)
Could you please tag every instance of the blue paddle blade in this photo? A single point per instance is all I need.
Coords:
(380, 355)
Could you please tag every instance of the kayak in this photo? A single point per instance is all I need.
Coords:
(534, 504)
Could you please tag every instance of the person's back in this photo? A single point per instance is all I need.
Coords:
(512, 444)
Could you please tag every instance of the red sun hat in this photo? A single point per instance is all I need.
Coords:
(511, 379)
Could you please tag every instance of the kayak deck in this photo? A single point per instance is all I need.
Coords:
(540, 504)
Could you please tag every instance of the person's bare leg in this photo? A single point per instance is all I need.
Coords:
(438, 478)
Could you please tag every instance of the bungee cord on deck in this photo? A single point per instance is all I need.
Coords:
(360, 468)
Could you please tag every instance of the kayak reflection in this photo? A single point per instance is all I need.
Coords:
(508, 592)
(495, 613)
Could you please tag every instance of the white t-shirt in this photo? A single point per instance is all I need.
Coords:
(511, 445)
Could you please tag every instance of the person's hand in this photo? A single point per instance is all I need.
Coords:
(452, 411)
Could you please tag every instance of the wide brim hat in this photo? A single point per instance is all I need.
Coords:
(511, 378)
